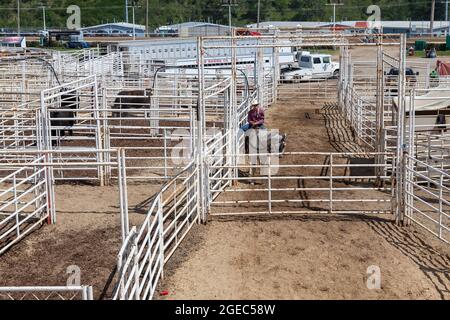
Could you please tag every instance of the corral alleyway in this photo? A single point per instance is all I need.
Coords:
(313, 256)
(87, 234)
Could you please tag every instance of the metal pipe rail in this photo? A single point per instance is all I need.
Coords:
(47, 293)
(146, 249)
(427, 198)
(333, 175)
(26, 201)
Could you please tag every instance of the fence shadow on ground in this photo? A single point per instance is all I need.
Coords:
(340, 135)
(434, 264)
(303, 217)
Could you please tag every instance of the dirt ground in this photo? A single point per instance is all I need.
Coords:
(87, 234)
(308, 256)
(313, 256)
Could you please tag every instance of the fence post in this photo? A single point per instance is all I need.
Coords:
(161, 234)
(135, 248)
(15, 205)
(99, 132)
(165, 154)
(122, 172)
(270, 185)
(331, 183)
(441, 183)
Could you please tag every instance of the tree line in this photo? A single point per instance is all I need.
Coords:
(162, 12)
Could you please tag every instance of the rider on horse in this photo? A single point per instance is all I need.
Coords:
(255, 117)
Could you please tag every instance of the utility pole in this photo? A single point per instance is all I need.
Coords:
(229, 4)
(433, 6)
(134, 24)
(446, 18)
(43, 18)
(126, 11)
(18, 17)
(334, 4)
(259, 14)
(146, 19)
(133, 8)
(446, 10)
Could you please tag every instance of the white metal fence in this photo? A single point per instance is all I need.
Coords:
(146, 248)
(311, 182)
(427, 197)
(26, 200)
(47, 293)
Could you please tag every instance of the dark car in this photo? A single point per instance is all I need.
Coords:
(411, 76)
(392, 78)
(409, 72)
(77, 45)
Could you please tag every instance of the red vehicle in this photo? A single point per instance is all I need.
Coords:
(245, 32)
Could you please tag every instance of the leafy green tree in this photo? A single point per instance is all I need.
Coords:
(176, 11)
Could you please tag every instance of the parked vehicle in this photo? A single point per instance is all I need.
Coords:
(77, 45)
(290, 74)
(391, 83)
(392, 75)
(246, 32)
(315, 66)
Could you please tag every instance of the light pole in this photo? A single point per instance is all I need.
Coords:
(44, 18)
(18, 18)
(229, 4)
(134, 25)
(259, 14)
(446, 16)
(146, 19)
(446, 10)
(133, 7)
(334, 4)
(433, 7)
(126, 11)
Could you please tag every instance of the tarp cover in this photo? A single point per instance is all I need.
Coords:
(443, 68)
(432, 101)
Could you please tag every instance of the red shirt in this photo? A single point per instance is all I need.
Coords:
(256, 116)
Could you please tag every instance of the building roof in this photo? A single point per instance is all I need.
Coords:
(353, 24)
(193, 24)
(117, 24)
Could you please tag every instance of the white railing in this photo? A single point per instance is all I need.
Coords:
(427, 197)
(318, 182)
(47, 293)
(26, 201)
(146, 248)
(361, 115)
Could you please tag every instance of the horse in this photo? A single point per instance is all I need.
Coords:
(64, 119)
(131, 99)
(262, 141)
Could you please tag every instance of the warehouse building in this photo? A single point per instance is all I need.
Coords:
(413, 28)
(116, 29)
(195, 29)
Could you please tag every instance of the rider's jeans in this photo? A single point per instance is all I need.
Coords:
(247, 127)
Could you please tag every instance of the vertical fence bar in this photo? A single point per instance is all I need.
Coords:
(441, 208)
(122, 171)
(270, 184)
(331, 183)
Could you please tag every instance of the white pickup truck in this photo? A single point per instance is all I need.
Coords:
(311, 66)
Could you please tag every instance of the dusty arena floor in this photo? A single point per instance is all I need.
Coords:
(313, 256)
(304, 256)
(87, 234)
